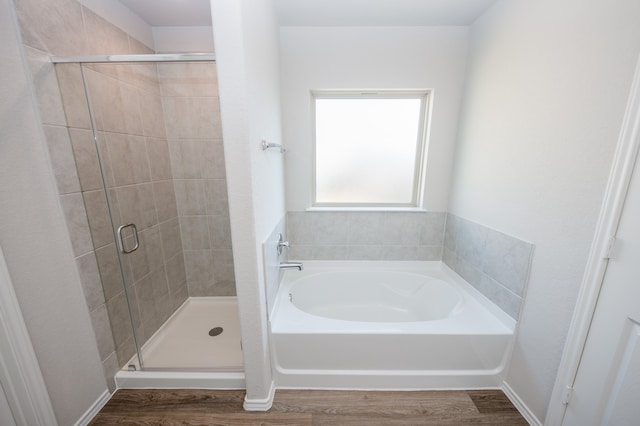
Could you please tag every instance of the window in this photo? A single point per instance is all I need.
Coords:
(369, 148)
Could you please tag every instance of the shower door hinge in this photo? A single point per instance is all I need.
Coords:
(611, 244)
(566, 394)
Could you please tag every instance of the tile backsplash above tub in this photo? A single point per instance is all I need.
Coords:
(495, 263)
(366, 235)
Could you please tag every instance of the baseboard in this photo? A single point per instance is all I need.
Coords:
(520, 405)
(260, 404)
(94, 409)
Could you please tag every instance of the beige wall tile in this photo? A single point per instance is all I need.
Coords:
(77, 224)
(216, 199)
(195, 232)
(159, 159)
(136, 205)
(110, 273)
(190, 197)
(188, 79)
(102, 329)
(199, 270)
(62, 159)
(220, 232)
(74, 100)
(99, 219)
(171, 238)
(111, 367)
(192, 118)
(53, 26)
(129, 160)
(212, 165)
(104, 37)
(138, 48)
(90, 279)
(176, 274)
(86, 159)
(186, 158)
(119, 319)
(152, 115)
(46, 88)
(178, 298)
(165, 197)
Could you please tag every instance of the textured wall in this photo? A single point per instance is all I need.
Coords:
(36, 243)
(546, 91)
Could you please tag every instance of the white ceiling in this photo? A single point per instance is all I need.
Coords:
(379, 12)
(323, 12)
(171, 13)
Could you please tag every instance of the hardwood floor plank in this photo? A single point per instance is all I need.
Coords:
(186, 419)
(378, 403)
(194, 407)
(175, 400)
(491, 401)
(485, 420)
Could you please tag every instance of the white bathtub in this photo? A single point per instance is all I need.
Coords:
(386, 325)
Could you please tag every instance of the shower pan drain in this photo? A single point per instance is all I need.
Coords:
(215, 331)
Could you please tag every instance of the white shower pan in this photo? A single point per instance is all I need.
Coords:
(197, 347)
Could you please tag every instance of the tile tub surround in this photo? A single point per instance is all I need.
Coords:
(493, 262)
(366, 235)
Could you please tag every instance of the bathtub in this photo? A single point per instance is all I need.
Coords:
(386, 325)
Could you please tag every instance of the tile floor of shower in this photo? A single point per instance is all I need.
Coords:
(188, 340)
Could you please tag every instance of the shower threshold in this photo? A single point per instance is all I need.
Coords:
(197, 347)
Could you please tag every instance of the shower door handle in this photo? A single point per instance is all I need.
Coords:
(120, 239)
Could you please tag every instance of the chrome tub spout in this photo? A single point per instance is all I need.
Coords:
(291, 265)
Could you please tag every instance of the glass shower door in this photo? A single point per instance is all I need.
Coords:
(157, 131)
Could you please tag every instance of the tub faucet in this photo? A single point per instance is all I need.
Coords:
(291, 265)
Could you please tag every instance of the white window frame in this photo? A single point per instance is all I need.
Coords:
(417, 200)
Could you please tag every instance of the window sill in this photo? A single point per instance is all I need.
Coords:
(366, 209)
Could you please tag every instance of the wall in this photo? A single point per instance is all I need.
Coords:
(545, 95)
(78, 31)
(192, 114)
(385, 58)
(496, 264)
(365, 235)
(36, 243)
(246, 39)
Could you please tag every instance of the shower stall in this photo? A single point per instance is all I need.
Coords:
(147, 143)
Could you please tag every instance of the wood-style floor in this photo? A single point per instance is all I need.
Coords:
(307, 407)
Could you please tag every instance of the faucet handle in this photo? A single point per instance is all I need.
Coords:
(282, 244)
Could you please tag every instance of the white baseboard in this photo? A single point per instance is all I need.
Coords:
(94, 409)
(260, 404)
(520, 405)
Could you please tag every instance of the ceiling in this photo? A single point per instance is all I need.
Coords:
(171, 13)
(323, 12)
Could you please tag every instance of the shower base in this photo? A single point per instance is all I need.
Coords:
(189, 351)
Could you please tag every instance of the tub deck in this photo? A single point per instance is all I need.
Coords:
(467, 349)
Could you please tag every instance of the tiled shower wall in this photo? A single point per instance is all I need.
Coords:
(138, 168)
(61, 28)
(494, 263)
(192, 115)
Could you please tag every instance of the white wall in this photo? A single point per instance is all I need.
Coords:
(246, 38)
(547, 88)
(374, 58)
(183, 39)
(36, 244)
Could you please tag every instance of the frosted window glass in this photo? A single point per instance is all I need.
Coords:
(366, 150)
